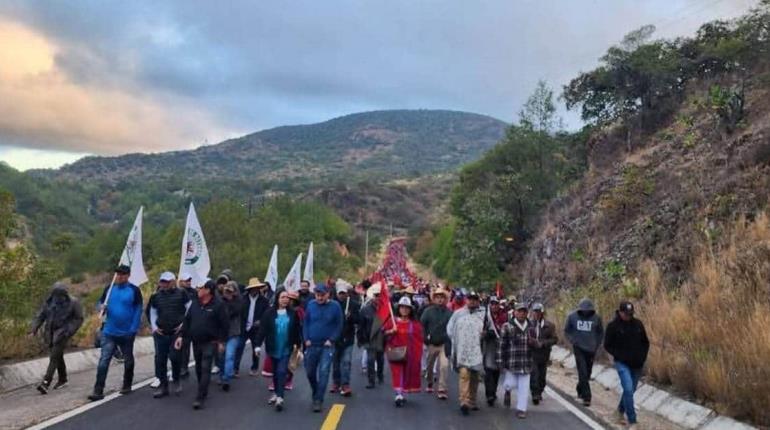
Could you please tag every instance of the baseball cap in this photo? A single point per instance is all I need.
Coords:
(321, 288)
(627, 307)
(167, 277)
(521, 306)
(124, 269)
(537, 307)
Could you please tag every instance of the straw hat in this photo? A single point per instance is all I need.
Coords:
(255, 283)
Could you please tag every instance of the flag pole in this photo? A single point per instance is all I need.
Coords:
(107, 296)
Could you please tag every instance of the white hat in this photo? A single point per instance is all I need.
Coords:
(405, 301)
(167, 277)
(374, 289)
(343, 286)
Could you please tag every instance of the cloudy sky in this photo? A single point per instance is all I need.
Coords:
(111, 77)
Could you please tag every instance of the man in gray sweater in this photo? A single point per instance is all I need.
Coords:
(585, 331)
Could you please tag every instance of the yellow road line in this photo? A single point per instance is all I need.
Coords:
(333, 419)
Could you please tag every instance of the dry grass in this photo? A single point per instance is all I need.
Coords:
(711, 337)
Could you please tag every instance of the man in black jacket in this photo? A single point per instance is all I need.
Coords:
(343, 350)
(544, 334)
(206, 324)
(255, 303)
(626, 340)
(372, 337)
(60, 317)
(166, 313)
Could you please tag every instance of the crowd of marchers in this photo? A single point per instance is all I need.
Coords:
(421, 332)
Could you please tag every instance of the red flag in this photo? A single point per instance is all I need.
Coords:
(498, 290)
(384, 310)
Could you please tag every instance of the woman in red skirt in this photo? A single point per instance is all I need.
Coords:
(406, 334)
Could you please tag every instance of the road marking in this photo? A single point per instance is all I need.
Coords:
(333, 419)
(88, 406)
(575, 411)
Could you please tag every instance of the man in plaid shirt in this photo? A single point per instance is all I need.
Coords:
(514, 355)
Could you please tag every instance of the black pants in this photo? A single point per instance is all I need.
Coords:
(491, 379)
(250, 335)
(584, 361)
(184, 357)
(164, 351)
(56, 362)
(372, 356)
(537, 377)
(204, 353)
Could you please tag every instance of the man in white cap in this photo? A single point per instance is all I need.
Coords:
(166, 311)
(544, 334)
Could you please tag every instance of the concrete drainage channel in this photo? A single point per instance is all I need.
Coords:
(18, 375)
(675, 409)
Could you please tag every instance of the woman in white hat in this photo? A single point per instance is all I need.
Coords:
(404, 350)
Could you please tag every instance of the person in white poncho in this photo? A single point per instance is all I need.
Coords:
(465, 331)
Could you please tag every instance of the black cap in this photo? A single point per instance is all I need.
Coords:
(124, 269)
(627, 307)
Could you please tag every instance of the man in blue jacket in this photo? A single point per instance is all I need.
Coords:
(122, 307)
(322, 329)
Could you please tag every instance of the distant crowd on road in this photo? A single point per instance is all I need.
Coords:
(421, 329)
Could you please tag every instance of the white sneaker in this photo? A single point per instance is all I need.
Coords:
(155, 383)
(279, 404)
(273, 400)
(214, 370)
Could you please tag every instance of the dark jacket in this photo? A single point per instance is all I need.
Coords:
(61, 316)
(267, 330)
(206, 323)
(234, 313)
(260, 306)
(584, 328)
(351, 320)
(170, 307)
(626, 342)
(434, 321)
(545, 338)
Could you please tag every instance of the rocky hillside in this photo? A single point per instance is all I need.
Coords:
(657, 199)
(401, 143)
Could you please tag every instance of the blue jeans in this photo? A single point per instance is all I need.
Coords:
(318, 361)
(280, 373)
(249, 335)
(226, 361)
(343, 355)
(164, 351)
(629, 379)
(109, 343)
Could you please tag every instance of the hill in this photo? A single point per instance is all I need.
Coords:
(400, 143)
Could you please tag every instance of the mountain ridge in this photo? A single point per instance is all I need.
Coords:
(402, 142)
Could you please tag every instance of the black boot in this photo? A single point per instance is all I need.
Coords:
(161, 392)
(98, 394)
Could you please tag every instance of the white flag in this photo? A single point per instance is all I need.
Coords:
(194, 262)
(272, 269)
(291, 283)
(308, 276)
(132, 253)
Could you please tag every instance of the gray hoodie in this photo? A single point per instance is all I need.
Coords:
(584, 327)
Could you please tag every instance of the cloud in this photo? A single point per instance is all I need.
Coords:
(109, 77)
(42, 107)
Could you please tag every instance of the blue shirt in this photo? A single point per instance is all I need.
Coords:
(322, 322)
(124, 310)
(281, 335)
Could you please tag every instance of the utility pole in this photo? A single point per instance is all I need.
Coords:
(366, 254)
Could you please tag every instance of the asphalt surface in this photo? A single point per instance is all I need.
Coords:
(245, 407)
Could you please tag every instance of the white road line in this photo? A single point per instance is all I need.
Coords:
(88, 406)
(575, 411)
